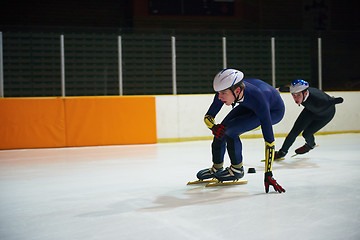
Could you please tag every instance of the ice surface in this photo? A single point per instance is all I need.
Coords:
(140, 192)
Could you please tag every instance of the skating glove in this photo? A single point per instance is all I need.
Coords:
(338, 100)
(218, 130)
(269, 180)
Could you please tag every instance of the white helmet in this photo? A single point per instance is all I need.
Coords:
(226, 79)
(298, 85)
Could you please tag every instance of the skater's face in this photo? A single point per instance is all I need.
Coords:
(227, 97)
(299, 97)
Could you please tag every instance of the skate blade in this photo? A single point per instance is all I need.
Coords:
(226, 183)
(202, 181)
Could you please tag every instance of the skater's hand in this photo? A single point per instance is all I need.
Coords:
(218, 130)
(338, 100)
(269, 180)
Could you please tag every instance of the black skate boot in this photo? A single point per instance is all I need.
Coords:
(230, 174)
(304, 149)
(279, 154)
(207, 173)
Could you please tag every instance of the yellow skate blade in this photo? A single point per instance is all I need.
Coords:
(227, 183)
(202, 181)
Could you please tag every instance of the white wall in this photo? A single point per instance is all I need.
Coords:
(182, 116)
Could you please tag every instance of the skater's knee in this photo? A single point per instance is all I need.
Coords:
(231, 141)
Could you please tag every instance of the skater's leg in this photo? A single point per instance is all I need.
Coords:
(234, 148)
(218, 148)
(305, 118)
(236, 170)
(314, 127)
(235, 126)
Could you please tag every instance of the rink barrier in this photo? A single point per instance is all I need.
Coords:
(32, 123)
(180, 118)
(117, 120)
(76, 121)
(276, 135)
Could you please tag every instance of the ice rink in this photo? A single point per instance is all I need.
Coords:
(140, 192)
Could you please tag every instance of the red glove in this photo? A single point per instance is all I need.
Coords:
(218, 130)
(269, 180)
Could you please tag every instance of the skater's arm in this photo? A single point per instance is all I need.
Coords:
(269, 158)
(337, 100)
(209, 121)
(214, 108)
(269, 155)
(262, 110)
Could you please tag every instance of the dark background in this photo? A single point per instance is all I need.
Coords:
(337, 22)
(325, 15)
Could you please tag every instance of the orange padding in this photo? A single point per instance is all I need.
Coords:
(76, 121)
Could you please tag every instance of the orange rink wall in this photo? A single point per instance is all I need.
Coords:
(77, 121)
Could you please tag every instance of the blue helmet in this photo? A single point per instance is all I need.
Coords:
(298, 85)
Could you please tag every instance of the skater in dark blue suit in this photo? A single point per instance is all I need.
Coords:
(255, 104)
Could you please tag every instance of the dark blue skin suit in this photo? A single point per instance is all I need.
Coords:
(261, 105)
